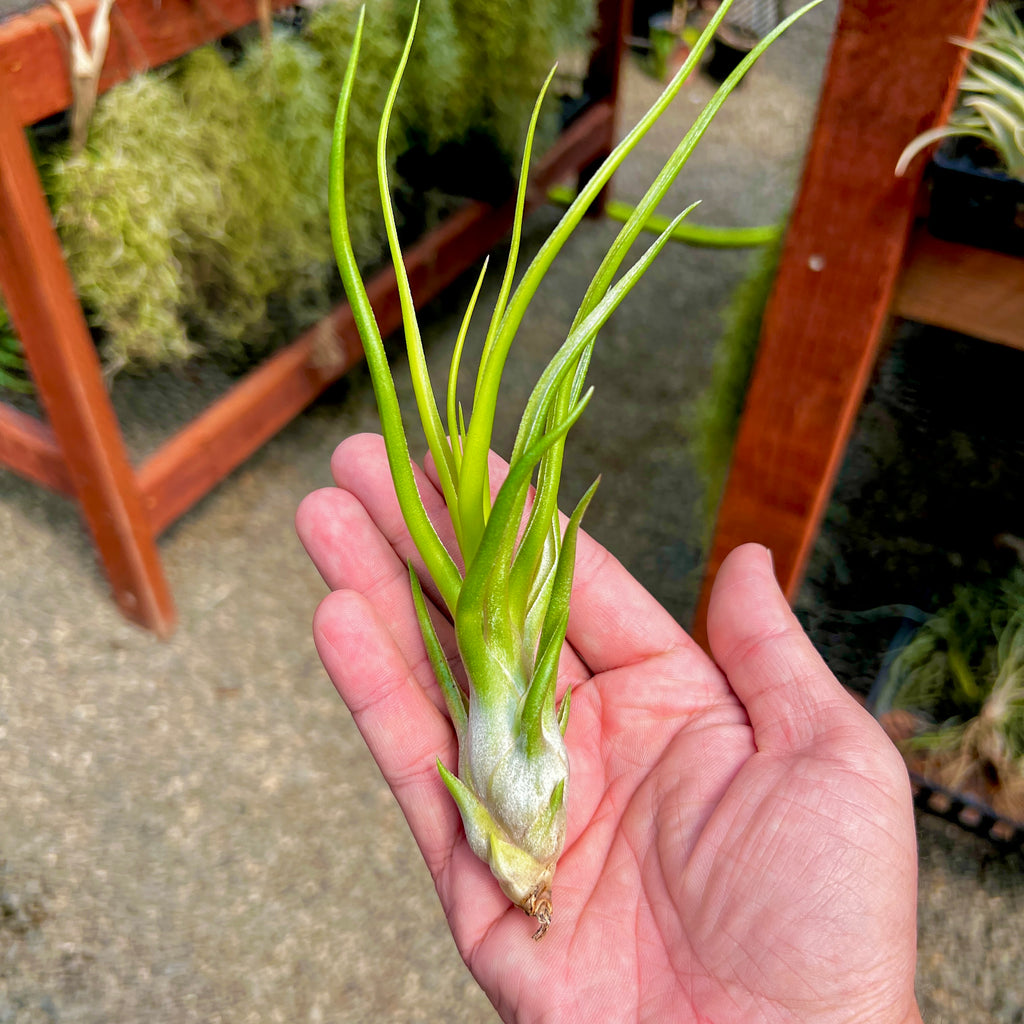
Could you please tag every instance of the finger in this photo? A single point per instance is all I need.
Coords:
(404, 731)
(614, 622)
(792, 698)
(360, 465)
(352, 554)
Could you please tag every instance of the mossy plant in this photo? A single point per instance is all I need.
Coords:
(176, 240)
(195, 219)
(434, 109)
(287, 87)
(517, 37)
(117, 207)
(257, 247)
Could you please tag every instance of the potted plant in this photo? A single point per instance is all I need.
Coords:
(952, 696)
(665, 31)
(746, 23)
(977, 175)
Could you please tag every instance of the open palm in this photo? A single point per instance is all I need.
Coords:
(741, 842)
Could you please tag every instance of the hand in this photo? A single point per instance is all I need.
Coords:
(741, 841)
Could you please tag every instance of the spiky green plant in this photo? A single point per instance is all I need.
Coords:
(991, 99)
(510, 606)
(961, 675)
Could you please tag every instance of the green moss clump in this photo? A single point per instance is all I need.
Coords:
(286, 87)
(116, 207)
(571, 24)
(195, 221)
(289, 94)
(256, 246)
(509, 49)
(433, 109)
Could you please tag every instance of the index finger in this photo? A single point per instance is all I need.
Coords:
(614, 621)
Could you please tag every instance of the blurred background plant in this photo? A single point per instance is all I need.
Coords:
(714, 418)
(990, 105)
(13, 369)
(194, 219)
(957, 690)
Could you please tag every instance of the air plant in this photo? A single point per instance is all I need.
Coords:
(991, 100)
(961, 678)
(510, 606)
(86, 65)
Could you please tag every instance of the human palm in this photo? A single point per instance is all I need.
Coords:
(740, 842)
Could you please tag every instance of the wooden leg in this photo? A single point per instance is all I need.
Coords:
(41, 300)
(604, 77)
(892, 73)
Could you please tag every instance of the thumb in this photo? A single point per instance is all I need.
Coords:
(792, 698)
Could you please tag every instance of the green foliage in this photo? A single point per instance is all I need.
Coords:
(964, 663)
(990, 104)
(432, 106)
(117, 207)
(194, 206)
(195, 221)
(289, 93)
(13, 368)
(716, 415)
(256, 248)
(508, 47)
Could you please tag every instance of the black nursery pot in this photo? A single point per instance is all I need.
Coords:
(974, 204)
(728, 49)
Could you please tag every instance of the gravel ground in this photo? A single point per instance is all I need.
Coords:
(193, 830)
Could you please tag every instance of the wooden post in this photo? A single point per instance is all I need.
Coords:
(63, 361)
(892, 73)
(614, 19)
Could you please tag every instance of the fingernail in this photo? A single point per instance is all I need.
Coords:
(771, 560)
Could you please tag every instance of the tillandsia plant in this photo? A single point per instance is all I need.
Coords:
(510, 605)
(954, 694)
(991, 100)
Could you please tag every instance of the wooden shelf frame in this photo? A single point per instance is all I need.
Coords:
(79, 450)
(853, 257)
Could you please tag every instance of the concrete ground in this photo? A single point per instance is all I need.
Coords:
(193, 830)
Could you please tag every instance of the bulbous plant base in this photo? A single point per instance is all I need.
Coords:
(538, 905)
